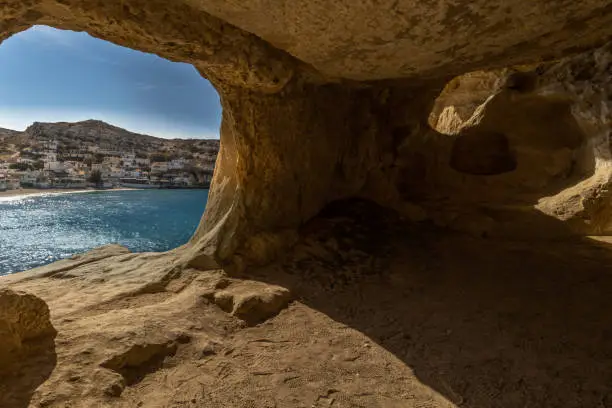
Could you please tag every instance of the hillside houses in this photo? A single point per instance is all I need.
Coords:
(46, 168)
(159, 167)
(72, 154)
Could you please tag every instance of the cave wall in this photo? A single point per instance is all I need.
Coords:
(289, 154)
(327, 100)
(554, 121)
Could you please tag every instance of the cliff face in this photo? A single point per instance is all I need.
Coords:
(328, 101)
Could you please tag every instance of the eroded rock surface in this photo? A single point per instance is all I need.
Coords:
(328, 101)
(387, 313)
(27, 348)
(23, 318)
(252, 301)
(550, 121)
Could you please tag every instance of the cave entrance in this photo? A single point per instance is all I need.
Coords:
(82, 114)
(518, 144)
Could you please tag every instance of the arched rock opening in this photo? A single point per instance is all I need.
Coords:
(523, 139)
(311, 118)
(482, 154)
(329, 100)
(534, 141)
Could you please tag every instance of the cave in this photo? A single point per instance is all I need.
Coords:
(482, 154)
(327, 117)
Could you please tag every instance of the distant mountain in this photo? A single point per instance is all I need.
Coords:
(106, 136)
(92, 134)
(4, 133)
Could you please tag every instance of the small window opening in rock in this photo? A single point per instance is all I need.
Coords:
(460, 98)
(500, 124)
(79, 114)
(464, 94)
(521, 81)
(482, 153)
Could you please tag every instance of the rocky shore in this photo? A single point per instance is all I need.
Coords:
(322, 328)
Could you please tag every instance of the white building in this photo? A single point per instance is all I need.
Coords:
(28, 177)
(109, 152)
(104, 170)
(13, 184)
(112, 160)
(177, 164)
(129, 160)
(159, 167)
(50, 157)
(183, 180)
(50, 145)
(133, 173)
(116, 172)
(142, 162)
(77, 165)
(54, 166)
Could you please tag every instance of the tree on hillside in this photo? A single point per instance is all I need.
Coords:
(159, 157)
(39, 165)
(96, 178)
(20, 166)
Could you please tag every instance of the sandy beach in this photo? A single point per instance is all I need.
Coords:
(24, 192)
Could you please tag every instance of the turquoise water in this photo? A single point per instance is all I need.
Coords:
(38, 230)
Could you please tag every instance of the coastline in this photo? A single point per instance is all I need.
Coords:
(29, 192)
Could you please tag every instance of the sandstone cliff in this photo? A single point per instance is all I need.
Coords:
(476, 134)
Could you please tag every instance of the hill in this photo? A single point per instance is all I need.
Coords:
(103, 138)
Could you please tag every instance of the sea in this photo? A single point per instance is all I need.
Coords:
(40, 229)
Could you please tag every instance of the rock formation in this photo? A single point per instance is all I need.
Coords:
(485, 118)
(23, 318)
(27, 352)
(542, 136)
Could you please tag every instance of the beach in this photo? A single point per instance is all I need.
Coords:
(24, 192)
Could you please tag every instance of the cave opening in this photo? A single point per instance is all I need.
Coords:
(80, 114)
(324, 113)
(520, 142)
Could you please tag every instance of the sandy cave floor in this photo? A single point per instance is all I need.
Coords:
(384, 314)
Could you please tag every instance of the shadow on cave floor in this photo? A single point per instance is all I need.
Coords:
(486, 323)
(19, 382)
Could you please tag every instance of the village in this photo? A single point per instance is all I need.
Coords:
(44, 165)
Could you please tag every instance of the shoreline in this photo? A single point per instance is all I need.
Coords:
(11, 195)
(30, 192)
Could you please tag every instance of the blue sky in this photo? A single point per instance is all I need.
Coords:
(50, 75)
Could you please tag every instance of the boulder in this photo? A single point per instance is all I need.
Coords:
(23, 318)
(253, 302)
